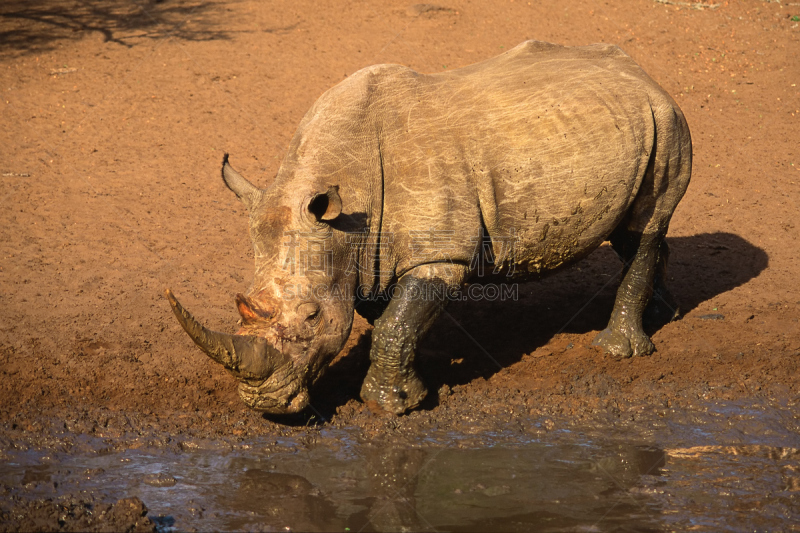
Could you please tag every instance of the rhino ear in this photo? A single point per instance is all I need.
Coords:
(325, 206)
(246, 191)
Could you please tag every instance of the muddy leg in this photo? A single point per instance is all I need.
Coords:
(663, 308)
(624, 336)
(639, 239)
(391, 381)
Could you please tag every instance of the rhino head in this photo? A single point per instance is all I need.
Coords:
(297, 315)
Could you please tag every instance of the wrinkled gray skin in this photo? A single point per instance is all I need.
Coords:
(544, 152)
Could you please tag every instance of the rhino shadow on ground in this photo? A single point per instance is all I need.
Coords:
(34, 27)
(477, 339)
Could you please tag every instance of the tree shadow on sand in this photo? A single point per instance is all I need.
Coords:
(488, 336)
(35, 27)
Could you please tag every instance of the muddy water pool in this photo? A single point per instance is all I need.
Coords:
(723, 467)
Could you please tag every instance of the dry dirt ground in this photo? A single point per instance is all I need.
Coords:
(116, 115)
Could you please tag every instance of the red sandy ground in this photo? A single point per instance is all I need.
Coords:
(116, 115)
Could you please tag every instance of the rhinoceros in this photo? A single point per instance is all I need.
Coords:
(398, 188)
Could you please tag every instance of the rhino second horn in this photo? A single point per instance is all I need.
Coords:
(247, 356)
(245, 190)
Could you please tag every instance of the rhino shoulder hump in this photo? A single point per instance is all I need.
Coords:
(549, 51)
(607, 50)
(362, 88)
(377, 75)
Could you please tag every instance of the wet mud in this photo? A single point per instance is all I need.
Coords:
(661, 469)
(115, 121)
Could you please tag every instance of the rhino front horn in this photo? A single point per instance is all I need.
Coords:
(246, 356)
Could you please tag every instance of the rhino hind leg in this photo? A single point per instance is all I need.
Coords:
(625, 336)
(639, 238)
(663, 308)
(391, 382)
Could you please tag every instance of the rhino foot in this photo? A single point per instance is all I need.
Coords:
(620, 345)
(396, 394)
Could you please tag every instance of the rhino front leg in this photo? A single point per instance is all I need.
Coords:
(391, 381)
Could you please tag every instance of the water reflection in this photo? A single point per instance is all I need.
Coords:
(273, 498)
(537, 486)
(391, 479)
(568, 483)
(372, 490)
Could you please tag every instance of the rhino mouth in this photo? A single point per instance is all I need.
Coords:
(269, 380)
(282, 393)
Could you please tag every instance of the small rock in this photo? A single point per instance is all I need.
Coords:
(499, 490)
(418, 9)
(159, 480)
(712, 316)
(204, 445)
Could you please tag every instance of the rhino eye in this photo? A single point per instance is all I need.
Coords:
(310, 310)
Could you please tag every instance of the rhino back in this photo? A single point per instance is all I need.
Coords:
(545, 146)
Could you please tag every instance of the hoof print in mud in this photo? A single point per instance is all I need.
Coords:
(485, 174)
